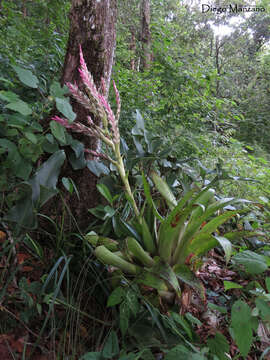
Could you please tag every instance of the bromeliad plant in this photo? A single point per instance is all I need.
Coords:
(162, 252)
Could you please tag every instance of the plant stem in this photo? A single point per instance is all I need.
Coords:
(123, 175)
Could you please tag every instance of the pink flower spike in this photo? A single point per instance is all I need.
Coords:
(96, 154)
(82, 62)
(63, 122)
(90, 121)
(87, 77)
(78, 95)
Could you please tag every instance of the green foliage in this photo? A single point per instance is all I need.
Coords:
(36, 192)
(252, 262)
(33, 34)
(183, 236)
(242, 326)
(204, 114)
(219, 346)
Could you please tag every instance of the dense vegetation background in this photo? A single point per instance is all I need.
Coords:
(195, 102)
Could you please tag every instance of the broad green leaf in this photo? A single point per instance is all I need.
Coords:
(47, 174)
(213, 224)
(12, 132)
(32, 137)
(116, 296)
(109, 211)
(202, 202)
(140, 127)
(58, 131)
(199, 245)
(23, 169)
(20, 107)
(26, 77)
(111, 347)
(139, 120)
(203, 241)
(77, 162)
(105, 192)
(7, 144)
(77, 147)
(231, 285)
(164, 190)
(138, 146)
(242, 327)
(252, 262)
(50, 147)
(57, 91)
(226, 246)
(264, 308)
(65, 108)
(219, 346)
(171, 226)
(98, 212)
(220, 204)
(44, 181)
(9, 96)
(97, 167)
(23, 213)
(67, 184)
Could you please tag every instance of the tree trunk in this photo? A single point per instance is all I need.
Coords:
(92, 25)
(132, 48)
(217, 66)
(24, 9)
(146, 34)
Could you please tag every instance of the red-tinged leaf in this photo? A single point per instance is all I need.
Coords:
(213, 224)
(27, 269)
(203, 224)
(22, 257)
(18, 344)
(3, 236)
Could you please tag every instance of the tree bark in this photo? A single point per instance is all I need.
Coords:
(132, 48)
(146, 34)
(24, 9)
(92, 25)
(217, 60)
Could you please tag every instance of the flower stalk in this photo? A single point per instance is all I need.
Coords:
(95, 102)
